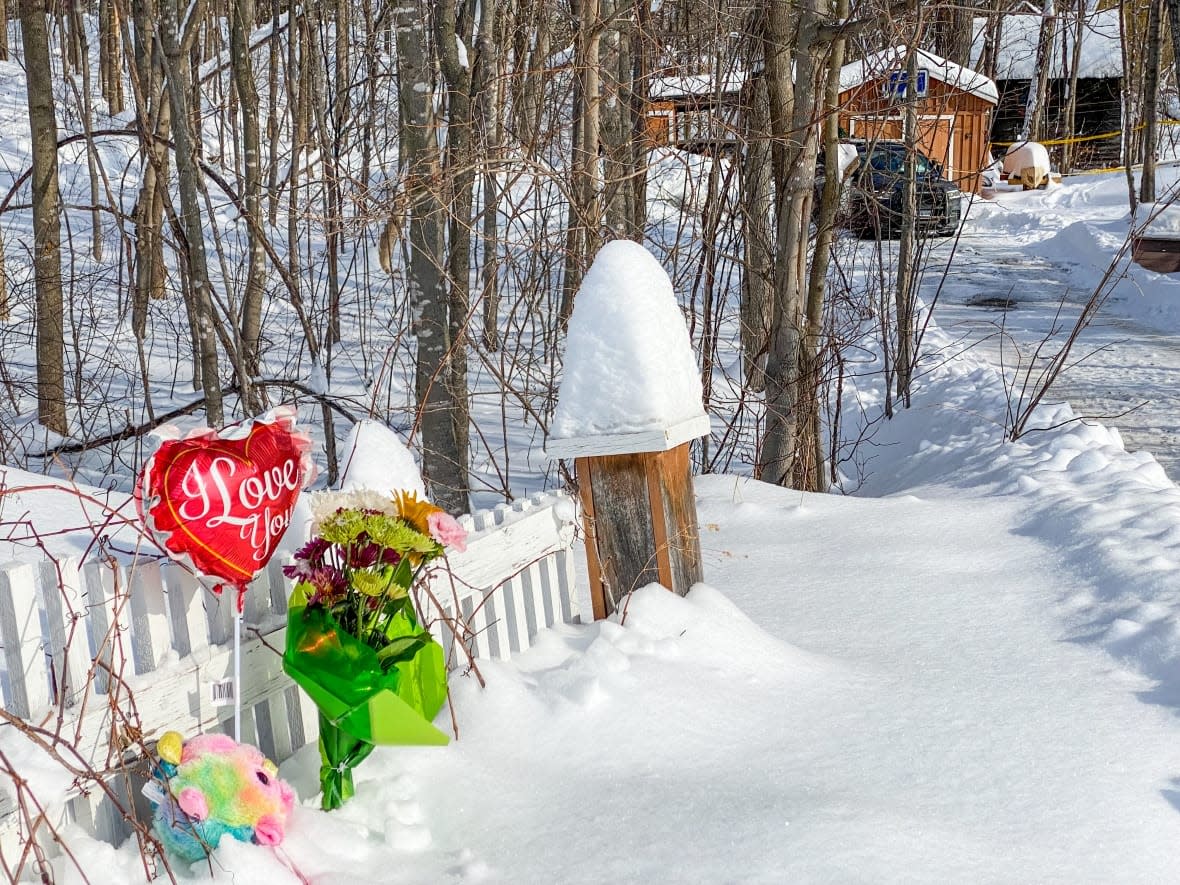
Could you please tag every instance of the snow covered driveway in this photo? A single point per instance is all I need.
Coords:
(1012, 283)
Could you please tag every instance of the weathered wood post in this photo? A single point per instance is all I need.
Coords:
(629, 405)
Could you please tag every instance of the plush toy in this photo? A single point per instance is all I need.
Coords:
(213, 786)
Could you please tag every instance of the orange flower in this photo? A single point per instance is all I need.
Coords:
(415, 511)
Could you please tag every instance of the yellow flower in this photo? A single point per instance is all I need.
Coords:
(415, 511)
(370, 584)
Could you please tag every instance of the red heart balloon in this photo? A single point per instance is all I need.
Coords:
(223, 503)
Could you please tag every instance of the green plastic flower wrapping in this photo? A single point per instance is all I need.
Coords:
(365, 697)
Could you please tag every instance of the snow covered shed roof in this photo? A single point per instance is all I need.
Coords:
(880, 64)
(696, 85)
(1102, 53)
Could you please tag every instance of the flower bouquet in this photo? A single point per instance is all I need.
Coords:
(354, 643)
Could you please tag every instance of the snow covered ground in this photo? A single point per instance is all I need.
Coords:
(968, 672)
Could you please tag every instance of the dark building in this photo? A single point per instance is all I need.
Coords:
(1098, 106)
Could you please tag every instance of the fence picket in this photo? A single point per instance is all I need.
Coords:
(61, 598)
(150, 628)
(518, 627)
(25, 656)
(495, 623)
(219, 610)
(279, 589)
(278, 726)
(186, 610)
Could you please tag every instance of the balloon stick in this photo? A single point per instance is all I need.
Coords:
(238, 673)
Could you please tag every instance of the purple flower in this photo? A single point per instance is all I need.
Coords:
(328, 585)
(363, 553)
(313, 552)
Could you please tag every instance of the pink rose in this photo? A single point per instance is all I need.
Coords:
(445, 529)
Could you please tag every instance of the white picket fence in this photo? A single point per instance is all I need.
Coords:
(111, 656)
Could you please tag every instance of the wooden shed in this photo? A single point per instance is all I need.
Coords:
(694, 113)
(954, 109)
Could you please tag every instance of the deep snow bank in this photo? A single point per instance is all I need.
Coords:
(1113, 515)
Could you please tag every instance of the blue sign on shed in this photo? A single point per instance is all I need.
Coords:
(895, 85)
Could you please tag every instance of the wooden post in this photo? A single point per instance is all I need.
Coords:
(638, 510)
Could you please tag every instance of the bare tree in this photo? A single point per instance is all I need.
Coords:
(51, 392)
(110, 68)
(1151, 84)
(3, 30)
(189, 172)
(792, 64)
(241, 20)
(1038, 85)
(1174, 30)
(758, 239)
(585, 210)
(952, 25)
(444, 462)
(904, 286)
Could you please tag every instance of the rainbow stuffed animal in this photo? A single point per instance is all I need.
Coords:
(213, 786)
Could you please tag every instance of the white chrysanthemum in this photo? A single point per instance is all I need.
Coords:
(324, 504)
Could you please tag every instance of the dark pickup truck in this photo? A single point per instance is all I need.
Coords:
(875, 191)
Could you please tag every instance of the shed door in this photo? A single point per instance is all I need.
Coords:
(936, 142)
(657, 127)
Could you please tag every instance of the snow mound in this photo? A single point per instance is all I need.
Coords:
(375, 458)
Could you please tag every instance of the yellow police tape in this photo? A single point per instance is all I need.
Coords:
(1078, 139)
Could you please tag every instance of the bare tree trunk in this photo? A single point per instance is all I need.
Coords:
(51, 391)
(794, 119)
(757, 209)
(992, 33)
(3, 30)
(110, 68)
(188, 173)
(78, 23)
(1068, 149)
(1174, 29)
(154, 119)
(615, 121)
(904, 293)
(952, 32)
(1129, 115)
(4, 307)
(444, 465)
(272, 110)
(811, 429)
(585, 208)
(643, 49)
(1151, 83)
(489, 88)
(1038, 85)
(241, 21)
(455, 26)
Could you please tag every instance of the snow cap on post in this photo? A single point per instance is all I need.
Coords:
(630, 381)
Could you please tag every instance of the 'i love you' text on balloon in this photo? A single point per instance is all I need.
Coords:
(224, 503)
